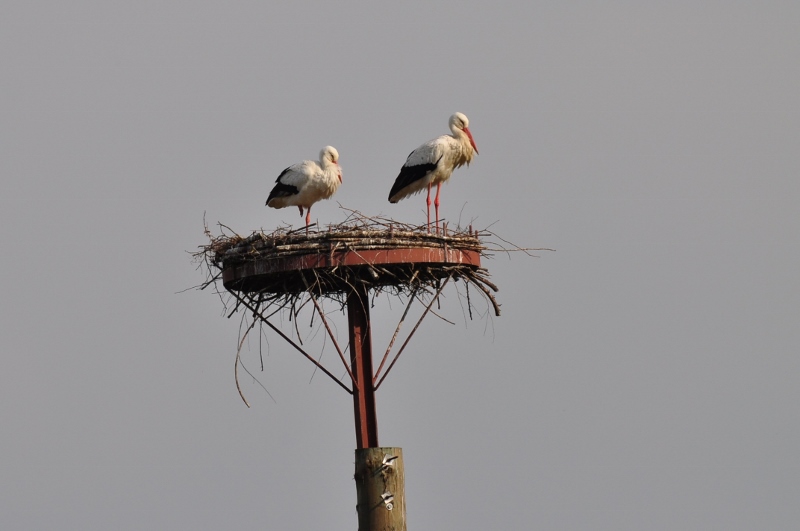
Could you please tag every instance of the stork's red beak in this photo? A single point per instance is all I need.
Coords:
(471, 141)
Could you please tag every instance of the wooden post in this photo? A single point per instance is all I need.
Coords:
(380, 489)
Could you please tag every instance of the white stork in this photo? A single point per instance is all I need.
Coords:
(433, 163)
(307, 182)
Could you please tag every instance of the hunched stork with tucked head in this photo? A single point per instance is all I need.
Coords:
(307, 182)
(433, 163)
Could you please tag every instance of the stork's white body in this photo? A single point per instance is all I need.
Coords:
(307, 182)
(433, 163)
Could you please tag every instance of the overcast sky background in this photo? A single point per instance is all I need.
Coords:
(643, 376)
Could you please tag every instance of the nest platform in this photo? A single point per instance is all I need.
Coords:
(336, 260)
(358, 255)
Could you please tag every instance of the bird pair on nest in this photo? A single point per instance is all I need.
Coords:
(304, 184)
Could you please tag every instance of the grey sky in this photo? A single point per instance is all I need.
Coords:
(644, 376)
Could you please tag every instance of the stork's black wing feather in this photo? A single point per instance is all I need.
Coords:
(281, 189)
(411, 174)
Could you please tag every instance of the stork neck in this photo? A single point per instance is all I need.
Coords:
(463, 141)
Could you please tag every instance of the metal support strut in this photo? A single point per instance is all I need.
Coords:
(361, 366)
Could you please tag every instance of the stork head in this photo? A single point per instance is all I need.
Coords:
(459, 123)
(328, 156)
(329, 153)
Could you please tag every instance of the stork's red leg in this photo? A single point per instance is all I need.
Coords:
(436, 202)
(308, 218)
(429, 207)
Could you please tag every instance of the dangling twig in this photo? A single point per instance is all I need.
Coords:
(236, 363)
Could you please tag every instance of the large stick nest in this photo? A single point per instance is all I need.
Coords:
(358, 233)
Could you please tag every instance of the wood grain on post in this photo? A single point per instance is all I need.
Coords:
(380, 489)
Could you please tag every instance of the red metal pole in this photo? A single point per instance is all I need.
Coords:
(361, 366)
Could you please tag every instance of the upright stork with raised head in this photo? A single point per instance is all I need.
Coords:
(307, 182)
(433, 163)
